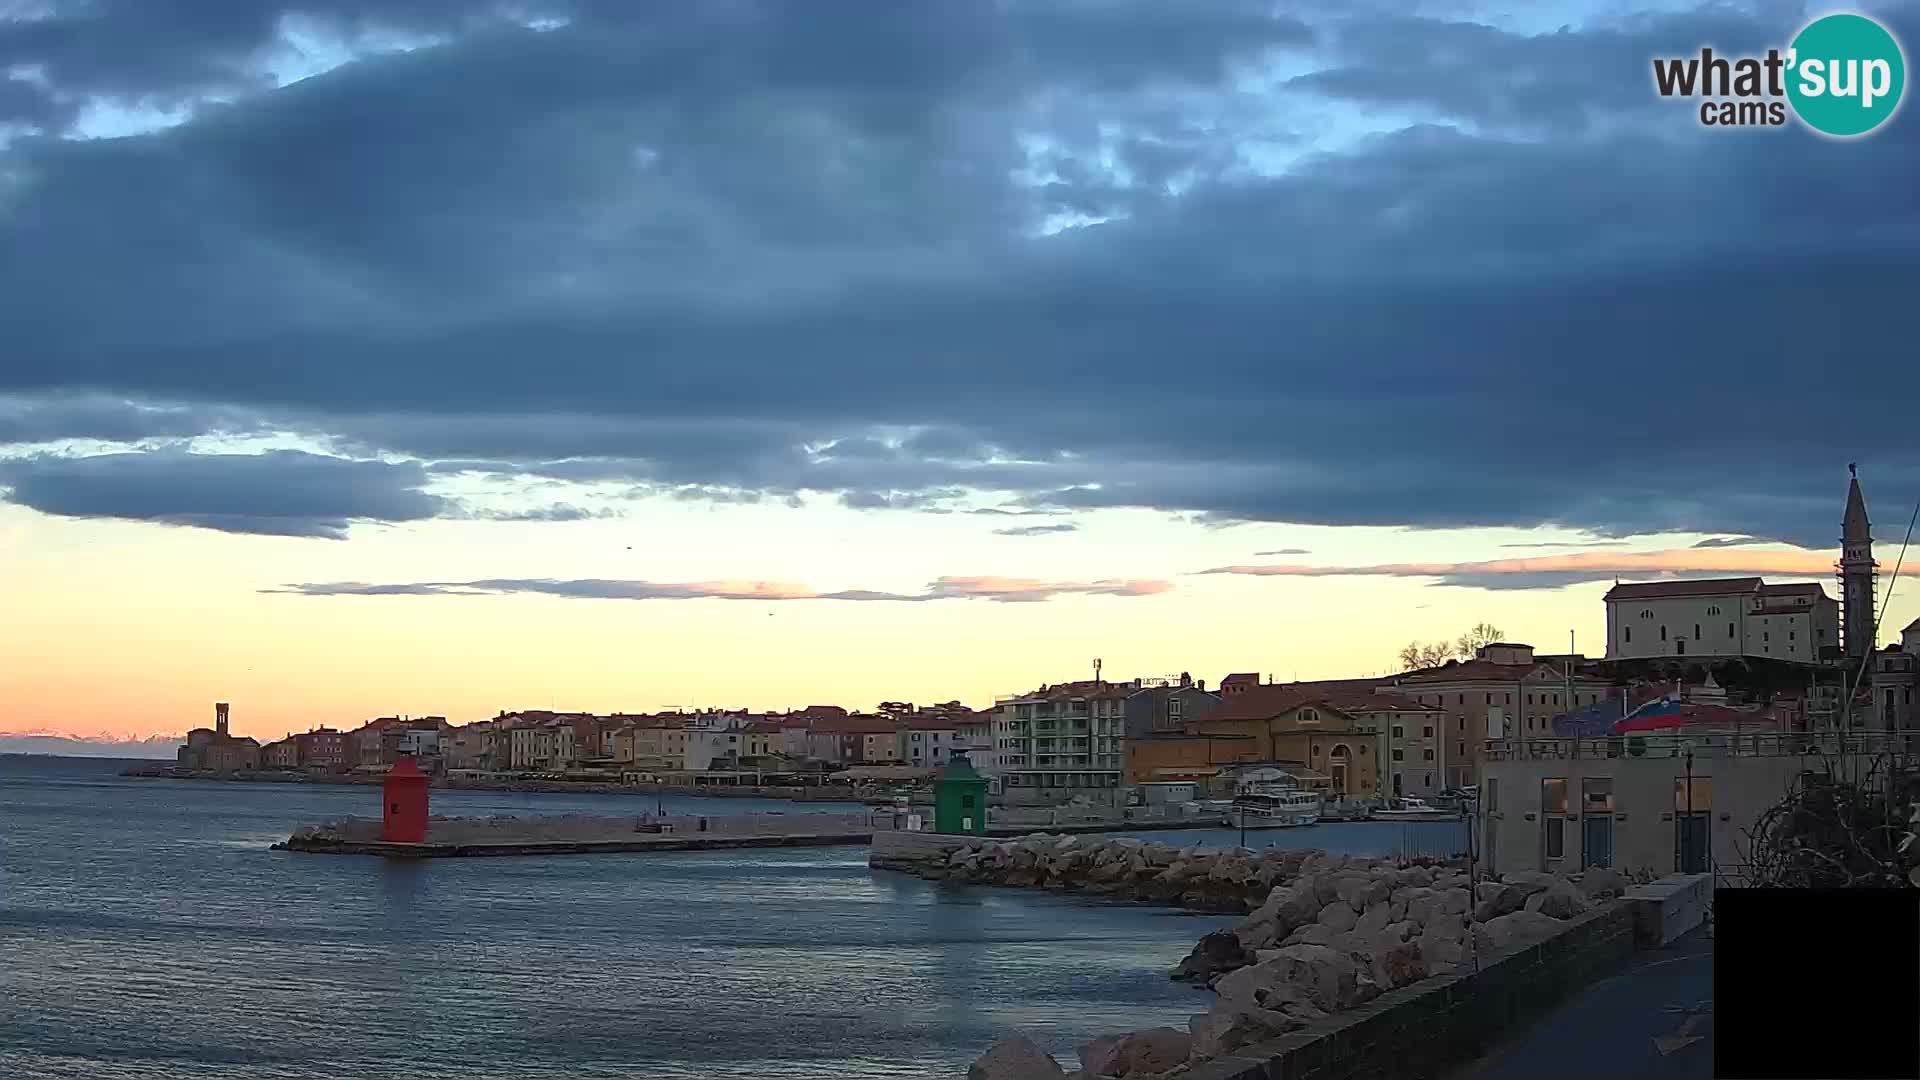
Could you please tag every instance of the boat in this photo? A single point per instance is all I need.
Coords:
(1273, 808)
(1411, 809)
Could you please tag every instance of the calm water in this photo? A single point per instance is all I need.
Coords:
(146, 931)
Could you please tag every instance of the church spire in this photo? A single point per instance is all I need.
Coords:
(1858, 584)
(1854, 527)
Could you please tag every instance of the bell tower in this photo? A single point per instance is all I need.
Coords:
(1858, 573)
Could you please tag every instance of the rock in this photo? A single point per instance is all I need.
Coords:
(1154, 1050)
(1290, 906)
(1017, 1058)
(1372, 922)
(1414, 877)
(1454, 901)
(1600, 883)
(1403, 930)
(1222, 1032)
(1339, 916)
(1562, 901)
(1397, 965)
(1437, 949)
(1255, 937)
(1314, 934)
(1515, 928)
(1420, 904)
(1218, 952)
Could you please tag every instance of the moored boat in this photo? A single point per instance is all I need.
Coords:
(1274, 808)
(1411, 809)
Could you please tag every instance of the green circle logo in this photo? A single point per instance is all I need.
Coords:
(1847, 74)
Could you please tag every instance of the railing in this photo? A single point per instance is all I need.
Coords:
(1704, 745)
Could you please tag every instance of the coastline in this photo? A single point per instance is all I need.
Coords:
(552, 787)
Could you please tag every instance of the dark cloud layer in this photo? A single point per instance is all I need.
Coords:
(999, 590)
(279, 493)
(1037, 530)
(750, 250)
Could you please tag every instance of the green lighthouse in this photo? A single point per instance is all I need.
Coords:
(960, 798)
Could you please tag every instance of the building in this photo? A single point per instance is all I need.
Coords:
(1061, 740)
(927, 740)
(1669, 802)
(1291, 728)
(281, 754)
(1239, 683)
(974, 734)
(322, 750)
(859, 739)
(1408, 731)
(1858, 574)
(1720, 618)
(218, 749)
(1502, 692)
(1165, 705)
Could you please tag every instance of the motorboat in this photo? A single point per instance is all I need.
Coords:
(1412, 809)
(1274, 808)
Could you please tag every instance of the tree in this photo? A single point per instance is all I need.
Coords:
(1416, 655)
(1468, 645)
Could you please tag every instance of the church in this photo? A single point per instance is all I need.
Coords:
(1744, 617)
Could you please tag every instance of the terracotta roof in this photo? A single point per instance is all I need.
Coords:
(1265, 702)
(1488, 671)
(1239, 677)
(1651, 590)
(932, 723)
(1808, 588)
(853, 725)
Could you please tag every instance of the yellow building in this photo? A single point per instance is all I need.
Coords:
(1289, 727)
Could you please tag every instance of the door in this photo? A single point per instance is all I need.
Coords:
(1690, 843)
(1596, 842)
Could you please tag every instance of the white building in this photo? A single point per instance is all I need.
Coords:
(1061, 741)
(1721, 617)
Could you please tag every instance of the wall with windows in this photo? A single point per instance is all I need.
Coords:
(1730, 625)
(1631, 813)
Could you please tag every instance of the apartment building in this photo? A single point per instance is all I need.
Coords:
(1504, 691)
(1061, 739)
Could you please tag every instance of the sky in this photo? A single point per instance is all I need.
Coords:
(365, 357)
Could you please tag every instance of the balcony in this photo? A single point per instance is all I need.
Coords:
(1704, 744)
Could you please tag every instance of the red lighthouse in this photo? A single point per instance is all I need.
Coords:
(404, 796)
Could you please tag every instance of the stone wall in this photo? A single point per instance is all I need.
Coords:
(1425, 1029)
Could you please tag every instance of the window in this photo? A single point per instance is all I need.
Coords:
(1596, 795)
(1508, 701)
(1553, 795)
(1696, 631)
(1399, 732)
(1490, 789)
(1399, 754)
(1729, 629)
(1646, 613)
(1489, 699)
(1459, 749)
(1462, 701)
(1173, 708)
(1663, 633)
(1363, 748)
(1426, 755)
(1763, 635)
(1554, 829)
(1713, 610)
(1308, 716)
(1702, 794)
(1789, 635)
(1427, 732)
(1629, 632)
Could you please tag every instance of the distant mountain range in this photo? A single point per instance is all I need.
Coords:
(154, 747)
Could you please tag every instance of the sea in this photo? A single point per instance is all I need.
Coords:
(148, 931)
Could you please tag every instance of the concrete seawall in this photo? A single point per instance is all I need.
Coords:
(322, 846)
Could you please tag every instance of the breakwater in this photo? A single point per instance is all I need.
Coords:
(1321, 935)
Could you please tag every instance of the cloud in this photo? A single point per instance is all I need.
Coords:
(763, 251)
(1285, 551)
(1001, 590)
(556, 512)
(1730, 541)
(278, 493)
(1555, 571)
(1571, 544)
(1037, 530)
